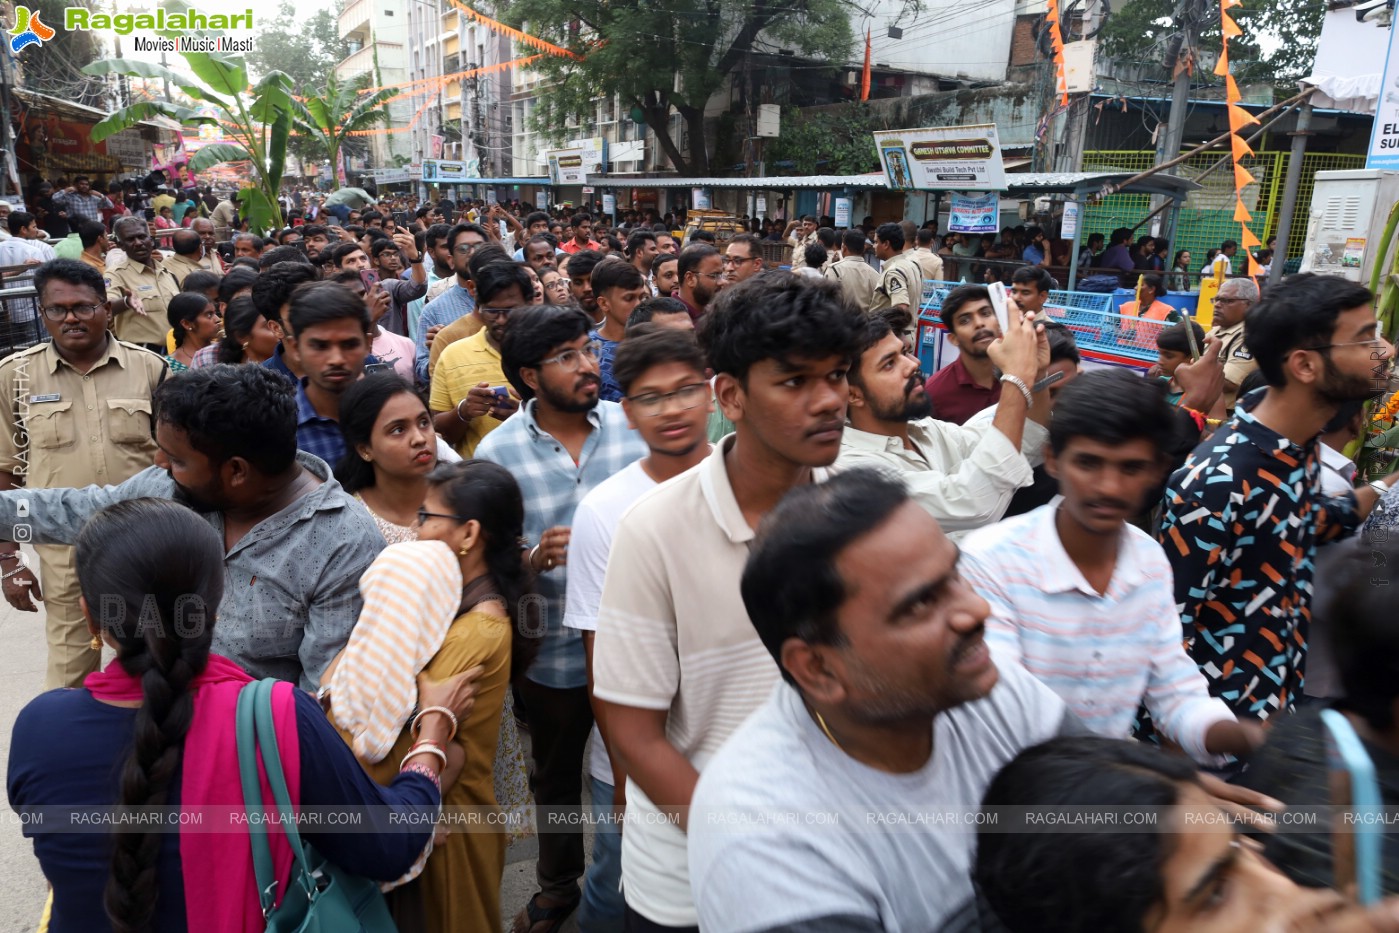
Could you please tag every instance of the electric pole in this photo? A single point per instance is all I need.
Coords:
(1189, 15)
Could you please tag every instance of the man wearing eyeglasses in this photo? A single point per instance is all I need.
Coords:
(76, 411)
(1231, 305)
(455, 303)
(564, 442)
(470, 397)
(743, 258)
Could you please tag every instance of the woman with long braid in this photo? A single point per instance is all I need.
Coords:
(156, 729)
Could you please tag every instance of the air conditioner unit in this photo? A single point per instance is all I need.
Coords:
(1345, 221)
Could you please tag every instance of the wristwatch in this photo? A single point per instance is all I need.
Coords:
(416, 262)
(1378, 487)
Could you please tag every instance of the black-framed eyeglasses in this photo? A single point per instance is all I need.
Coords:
(495, 312)
(571, 360)
(710, 275)
(687, 398)
(81, 312)
(463, 249)
(424, 515)
(736, 260)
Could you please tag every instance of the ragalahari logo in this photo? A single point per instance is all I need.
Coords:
(29, 30)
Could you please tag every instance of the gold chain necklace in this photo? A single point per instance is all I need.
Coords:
(820, 721)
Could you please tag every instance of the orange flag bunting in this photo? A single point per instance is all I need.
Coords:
(1254, 269)
(1242, 177)
(1241, 214)
(1230, 28)
(1241, 148)
(1247, 240)
(1239, 117)
(1221, 67)
(533, 42)
(865, 71)
(1231, 90)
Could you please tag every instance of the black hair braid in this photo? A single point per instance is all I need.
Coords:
(166, 668)
(514, 580)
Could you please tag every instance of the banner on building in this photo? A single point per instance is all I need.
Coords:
(1384, 137)
(573, 165)
(436, 170)
(541, 201)
(842, 212)
(1068, 225)
(699, 199)
(609, 205)
(975, 214)
(943, 158)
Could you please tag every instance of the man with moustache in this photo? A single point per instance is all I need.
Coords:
(677, 665)
(211, 260)
(890, 707)
(969, 383)
(964, 476)
(580, 281)
(701, 271)
(297, 542)
(1243, 517)
(138, 293)
(1081, 597)
(74, 410)
(330, 327)
(563, 442)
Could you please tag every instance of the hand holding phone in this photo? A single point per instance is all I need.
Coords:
(998, 305)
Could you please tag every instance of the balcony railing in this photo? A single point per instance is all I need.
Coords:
(354, 15)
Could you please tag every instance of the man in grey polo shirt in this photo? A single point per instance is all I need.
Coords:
(296, 543)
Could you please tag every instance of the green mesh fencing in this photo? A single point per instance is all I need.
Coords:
(1207, 216)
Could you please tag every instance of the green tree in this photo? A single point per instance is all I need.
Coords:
(659, 57)
(1278, 45)
(838, 141)
(306, 50)
(327, 119)
(259, 119)
(55, 68)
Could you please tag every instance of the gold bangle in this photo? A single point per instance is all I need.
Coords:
(416, 726)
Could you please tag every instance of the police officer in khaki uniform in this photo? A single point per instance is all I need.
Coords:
(76, 411)
(187, 256)
(900, 278)
(137, 291)
(1235, 297)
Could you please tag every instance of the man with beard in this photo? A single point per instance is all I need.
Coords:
(465, 402)
(138, 293)
(212, 261)
(330, 327)
(963, 476)
(1244, 515)
(701, 272)
(456, 302)
(562, 443)
(580, 281)
(296, 542)
(1081, 597)
(969, 383)
(890, 708)
(677, 665)
(75, 410)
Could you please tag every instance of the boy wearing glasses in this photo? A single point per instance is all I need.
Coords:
(660, 371)
(466, 401)
(76, 411)
(564, 441)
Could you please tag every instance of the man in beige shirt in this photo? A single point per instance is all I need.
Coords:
(76, 412)
(136, 290)
(1231, 305)
(928, 260)
(802, 234)
(900, 278)
(211, 260)
(857, 278)
(187, 257)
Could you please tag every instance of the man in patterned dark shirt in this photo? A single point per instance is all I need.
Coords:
(1244, 515)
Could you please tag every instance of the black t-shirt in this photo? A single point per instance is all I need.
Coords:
(53, 224)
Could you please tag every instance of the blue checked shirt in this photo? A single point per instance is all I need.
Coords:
(607, 353)
(447, 307)
(315, 435)
(553, 485)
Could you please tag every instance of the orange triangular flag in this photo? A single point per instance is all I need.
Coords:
(1242, 178)
(1229, 27)
(1226, 4)
(1246, 238)
(1254, 269)
(1231, 90)
(1241, 148)
(1239, 118)
(1221, 67)
(1241, 214)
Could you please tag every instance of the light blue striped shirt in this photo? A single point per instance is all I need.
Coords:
(553, 485)
(1103, 653)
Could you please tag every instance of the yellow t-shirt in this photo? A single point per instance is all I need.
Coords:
(463, 366)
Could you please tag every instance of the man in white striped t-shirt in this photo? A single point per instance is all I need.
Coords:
(677, 665)
(1082, 598)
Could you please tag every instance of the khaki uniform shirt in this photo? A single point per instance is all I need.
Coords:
(63, 428)
(178, 267)
(930, 262)
(155, 289)
(900, 283)
(857, 279)
(1238, 362)
(799, 245)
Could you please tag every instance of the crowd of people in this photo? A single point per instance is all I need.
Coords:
(791, 614)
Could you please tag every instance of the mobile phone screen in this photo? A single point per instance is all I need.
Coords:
(370, 278)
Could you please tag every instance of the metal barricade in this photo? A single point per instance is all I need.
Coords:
(21, 326)
(1098, 329)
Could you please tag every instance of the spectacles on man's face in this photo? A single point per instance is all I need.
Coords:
(572, 360)
(495, 313)
(654, 404)
(465, 249)
(710, 275)
(737, 260)
(1376, 340)
(81, 312)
